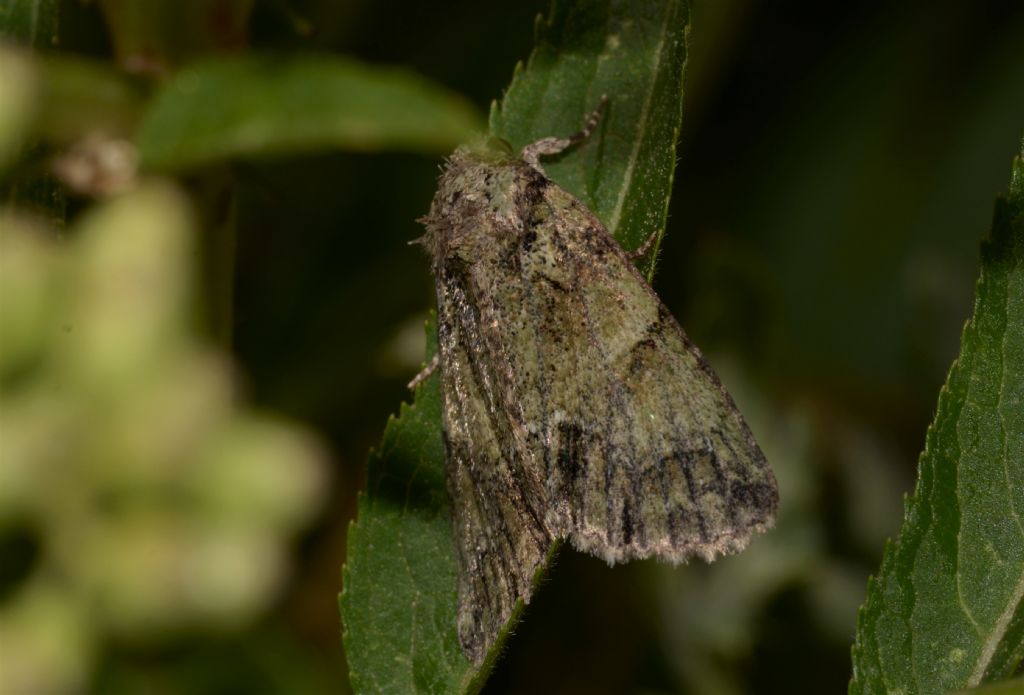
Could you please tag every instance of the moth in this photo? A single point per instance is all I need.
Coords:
(574, 405)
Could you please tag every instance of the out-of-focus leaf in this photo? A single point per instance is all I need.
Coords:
(80, 96)
(1014, 686)
(18, 95)
(32, 22)
(151, 36)
(45, 640)
(59, 99)
(947, 608)
(399, 599)
(25, 274)
(157, 502)
(243, 480)
(249, 107)
(130, 287)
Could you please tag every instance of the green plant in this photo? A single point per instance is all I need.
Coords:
(157, 504)
(401, 543)
(398, 602)
(947, 608)
(199, 197)
(144, 502)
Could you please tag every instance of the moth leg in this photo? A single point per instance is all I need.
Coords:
(549, 146)
(425, 372)
(642, 250)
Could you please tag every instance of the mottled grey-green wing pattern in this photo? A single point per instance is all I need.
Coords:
(574, 405)
(648, 455)
(500, 538)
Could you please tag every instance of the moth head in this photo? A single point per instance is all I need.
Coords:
(493, 150)
(475, 195)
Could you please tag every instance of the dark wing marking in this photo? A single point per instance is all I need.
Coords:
(575, 407)
(644, 451)
(500, 537)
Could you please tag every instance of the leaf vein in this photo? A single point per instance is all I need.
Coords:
(990, 645)
(1004, 427)
(969, 401)
(620, 201)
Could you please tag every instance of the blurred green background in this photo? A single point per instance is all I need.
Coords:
(837, 170)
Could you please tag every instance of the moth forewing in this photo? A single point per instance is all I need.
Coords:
(574, 405)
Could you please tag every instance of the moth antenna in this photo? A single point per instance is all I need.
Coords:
(546, 147)
(425, 372)
(642, 250)
(592, 120)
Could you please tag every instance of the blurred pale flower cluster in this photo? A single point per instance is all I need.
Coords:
(154, 502)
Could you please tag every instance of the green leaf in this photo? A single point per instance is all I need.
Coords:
(399, 598)
(59, 99)
(55, 99)
(32, 22)
(248, 107)
(398, 601)
(149, 37)
(947, 608)
(1010, 687)
(634, 53)
(79, 96)
(18, 97)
